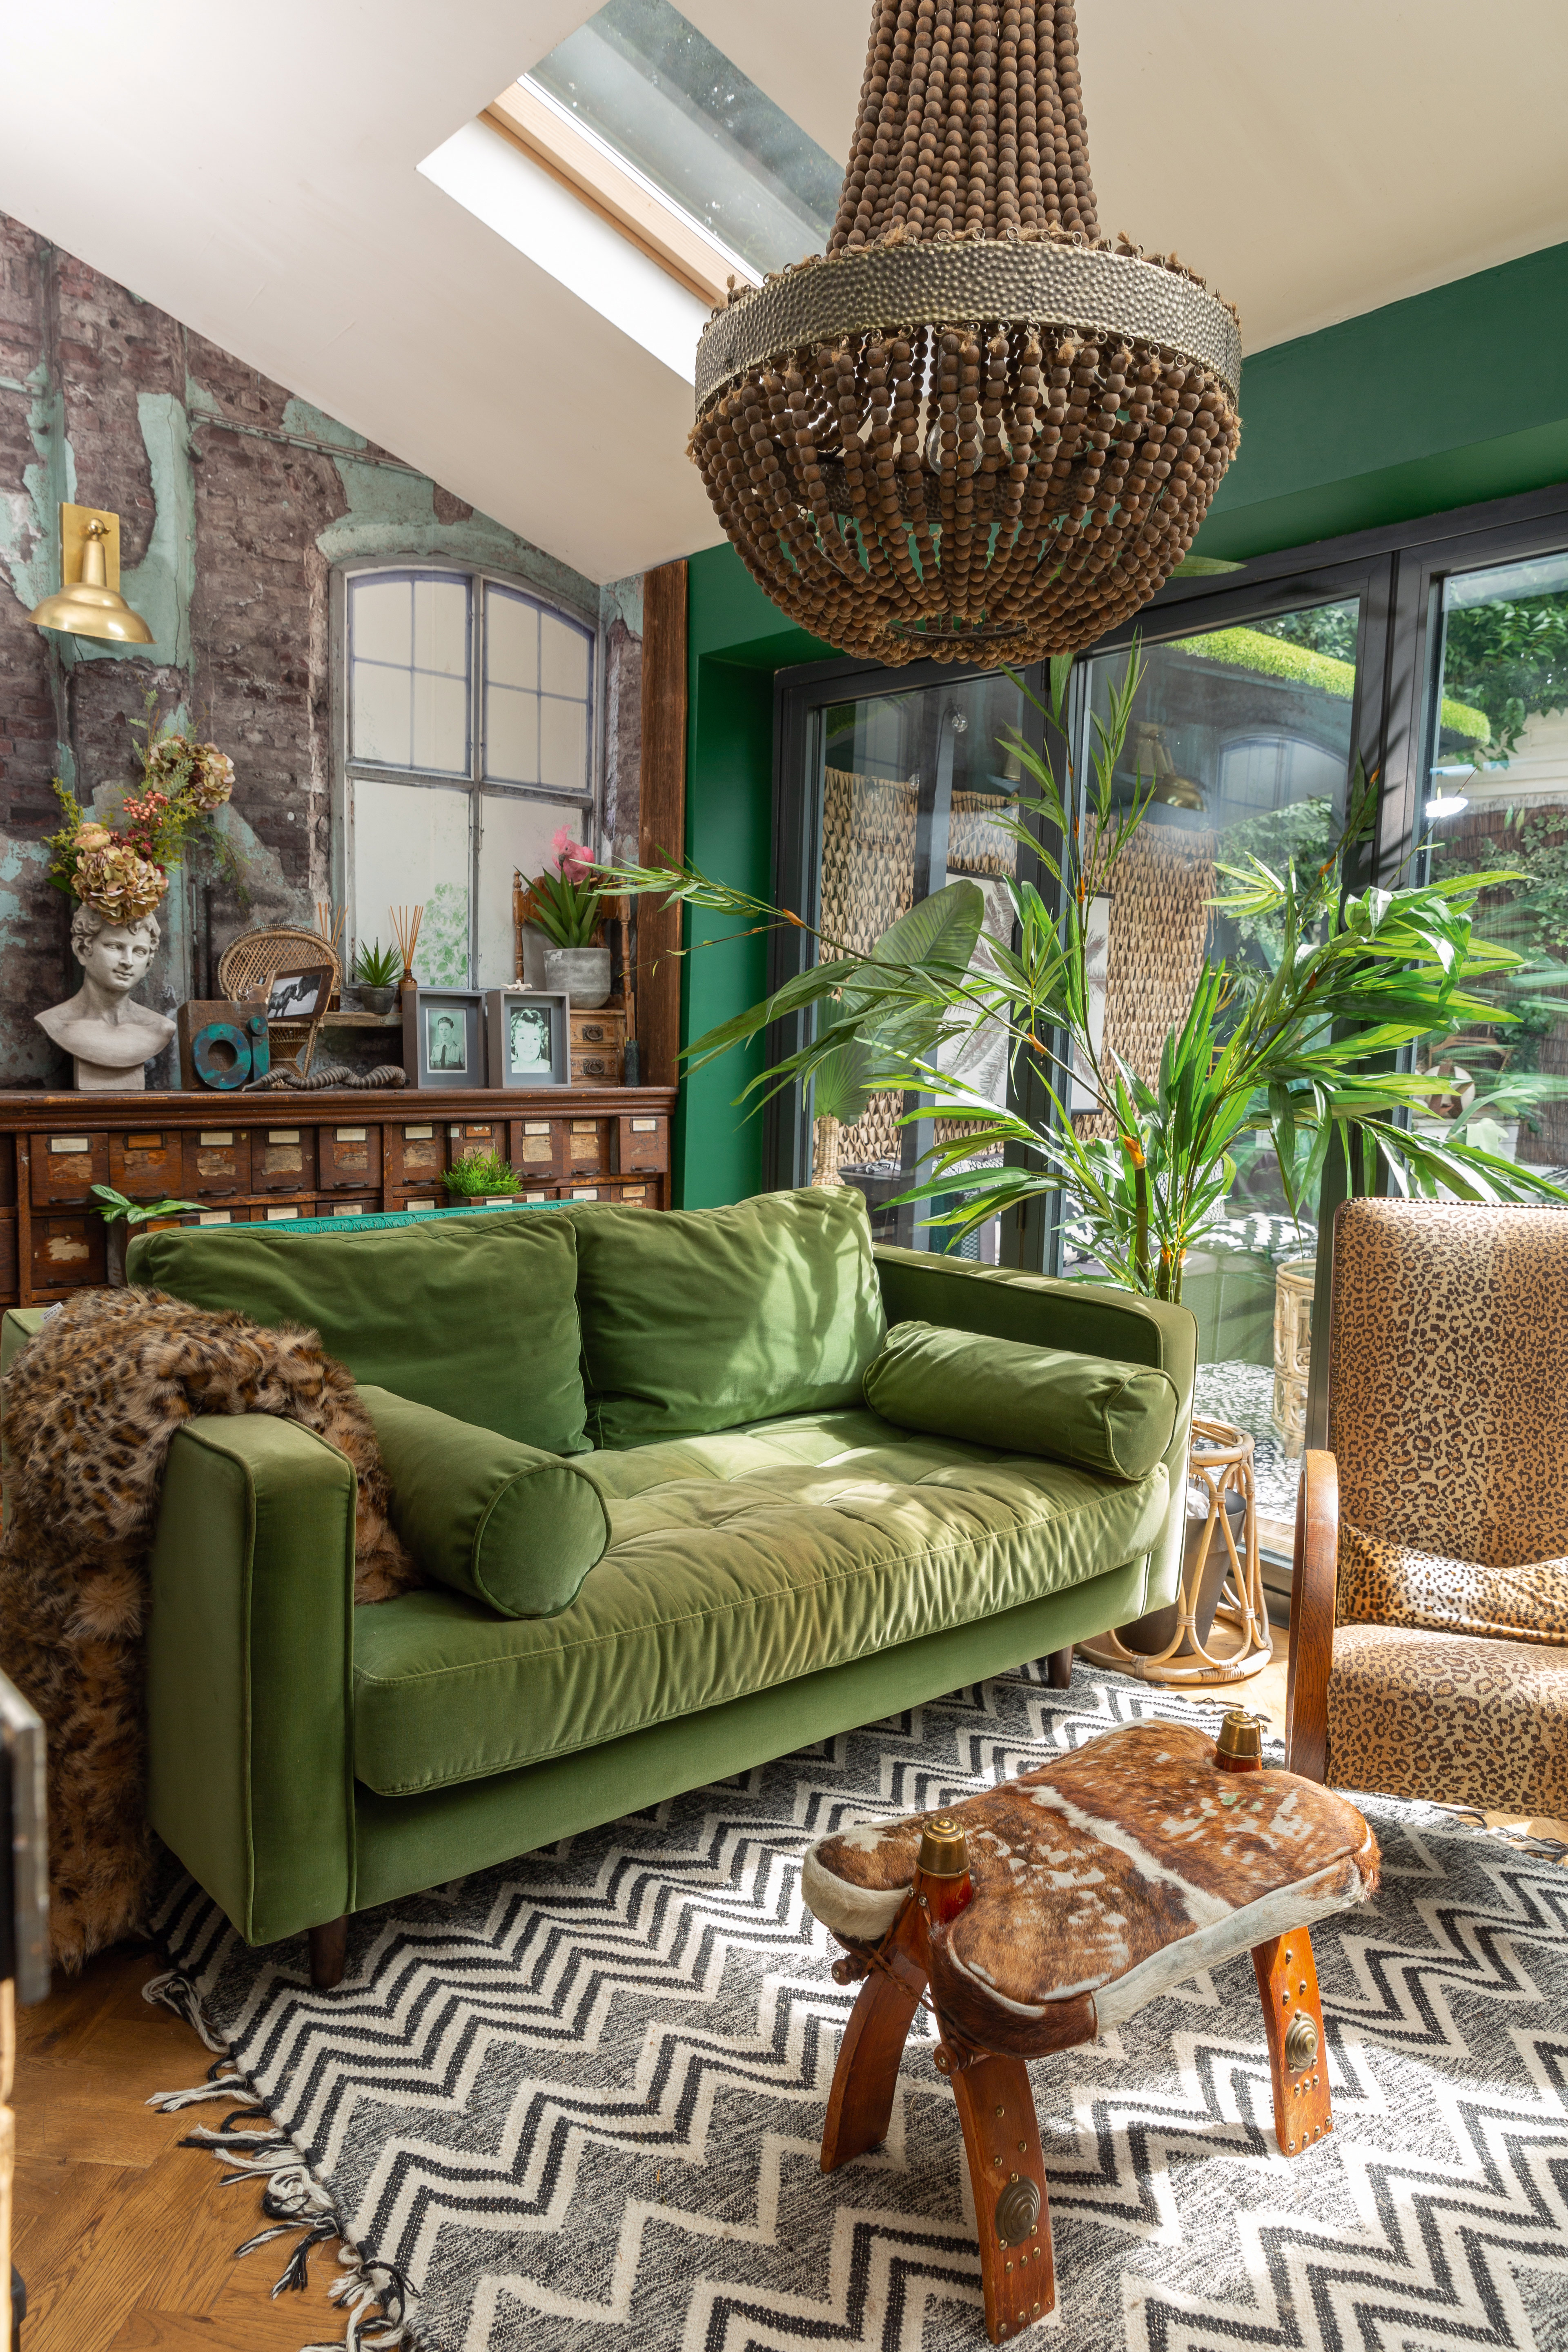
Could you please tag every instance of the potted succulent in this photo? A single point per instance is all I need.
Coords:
(565, 903)
(122, 1217)
(378, 971)
(483, 1178)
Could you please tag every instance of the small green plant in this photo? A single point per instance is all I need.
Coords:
(112, 1206)
(378, 967)
(479, 1174)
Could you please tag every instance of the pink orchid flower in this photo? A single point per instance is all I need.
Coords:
(572, 859)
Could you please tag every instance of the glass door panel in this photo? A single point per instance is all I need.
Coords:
(1248, 733)
(1498, 795)
(906, 785)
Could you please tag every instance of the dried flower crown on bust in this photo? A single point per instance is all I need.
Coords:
(124, 874)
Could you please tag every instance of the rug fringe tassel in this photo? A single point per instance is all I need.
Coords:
(373, 2295)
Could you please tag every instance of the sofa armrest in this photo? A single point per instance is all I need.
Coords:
(1312, 1617)
(1097, 1318)
(249, 1659)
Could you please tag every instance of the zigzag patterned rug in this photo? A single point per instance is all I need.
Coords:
(575, 2103)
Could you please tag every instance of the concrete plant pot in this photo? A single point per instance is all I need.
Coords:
(583, 973)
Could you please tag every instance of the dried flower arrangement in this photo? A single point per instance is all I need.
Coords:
(123, 873)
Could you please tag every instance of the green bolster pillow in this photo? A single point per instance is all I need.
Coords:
(1113, 1417)
(486, 1515)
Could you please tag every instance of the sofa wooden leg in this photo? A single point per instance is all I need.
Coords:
(1007, 2174)
(1058, 1668)
(329, 1951)
(1298, 2048)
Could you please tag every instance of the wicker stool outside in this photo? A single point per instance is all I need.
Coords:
(1041, 1912)
(1221, 1462)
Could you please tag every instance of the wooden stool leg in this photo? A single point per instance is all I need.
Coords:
(860, 2103)
(1298, 2047)
(1008, 2174)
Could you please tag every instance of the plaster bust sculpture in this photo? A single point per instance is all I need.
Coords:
(109, 1039)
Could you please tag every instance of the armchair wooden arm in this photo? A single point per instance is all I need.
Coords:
(1312, 1617)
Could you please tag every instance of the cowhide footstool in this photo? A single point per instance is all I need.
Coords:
(1059, 1904)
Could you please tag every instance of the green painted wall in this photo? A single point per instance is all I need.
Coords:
(1445, 400)
(1442, 400)
(736, 640)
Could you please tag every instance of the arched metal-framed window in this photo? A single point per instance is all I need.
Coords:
(465, 727)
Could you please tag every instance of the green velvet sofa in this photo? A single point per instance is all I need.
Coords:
(656, 1427)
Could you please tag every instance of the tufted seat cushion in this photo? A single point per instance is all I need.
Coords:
(1102, 1879)
(1446, 1716)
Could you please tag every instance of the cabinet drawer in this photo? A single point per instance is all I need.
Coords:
(636, 1196)
(67, 1252)
(67, 1163)
(217, 1159)
(476, 1135)
(420, 1198)
(582, 1147)
(7, 1258)
(603, 1029)
(362, 1208)
(7, 1171)
(533, 1146)
(146, 1163)
(424, 1153)
(595, 1066)
(282, 1158)
(349, 1157)
(583, 1192)
(642, 1144)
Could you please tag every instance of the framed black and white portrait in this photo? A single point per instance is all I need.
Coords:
(444, 1037)
(528, 1037)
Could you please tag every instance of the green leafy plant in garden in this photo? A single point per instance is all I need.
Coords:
(480, 1174)
(113, 1207)
(379, 967)
(1292, 1056)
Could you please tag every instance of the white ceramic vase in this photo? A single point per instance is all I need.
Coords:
(583, 973)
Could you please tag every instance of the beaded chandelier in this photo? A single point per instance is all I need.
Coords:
(975, 429)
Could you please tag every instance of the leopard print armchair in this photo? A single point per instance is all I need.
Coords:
(1429, 1614)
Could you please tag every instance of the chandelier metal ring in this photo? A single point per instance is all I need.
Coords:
(1012, 284)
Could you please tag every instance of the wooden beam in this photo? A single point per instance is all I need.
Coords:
(661, 823)
(580, 164)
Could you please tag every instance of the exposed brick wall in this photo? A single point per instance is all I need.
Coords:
(93, 381)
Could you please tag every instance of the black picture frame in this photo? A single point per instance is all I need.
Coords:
(300, 994)
(444, 1037)
(545, 1015)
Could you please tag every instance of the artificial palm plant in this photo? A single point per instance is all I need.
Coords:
(1290, 1049)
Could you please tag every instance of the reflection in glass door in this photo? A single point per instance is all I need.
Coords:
(1248, 733)
(1498, 796)
(908, 781)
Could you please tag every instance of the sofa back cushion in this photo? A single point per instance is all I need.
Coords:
(702, 1318)
(475, 1317)
(1114, 1419)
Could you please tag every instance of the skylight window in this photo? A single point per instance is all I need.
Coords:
(648, 86)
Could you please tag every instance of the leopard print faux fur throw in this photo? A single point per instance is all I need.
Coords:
(92, 1407)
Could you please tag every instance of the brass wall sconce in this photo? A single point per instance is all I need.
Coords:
(89, 602)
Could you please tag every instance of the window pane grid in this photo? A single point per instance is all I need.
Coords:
(426, 654)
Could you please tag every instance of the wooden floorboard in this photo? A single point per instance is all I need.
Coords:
(125, 2239)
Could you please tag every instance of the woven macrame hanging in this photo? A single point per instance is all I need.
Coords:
(975, 429)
